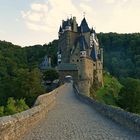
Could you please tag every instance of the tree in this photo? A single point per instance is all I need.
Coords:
(50, 75)
(129, 95)
(28, 85)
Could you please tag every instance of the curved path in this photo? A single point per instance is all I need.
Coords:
(71, 119)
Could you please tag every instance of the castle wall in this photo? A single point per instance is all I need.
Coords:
(72, 73)
(66, 42)
(86, 75)
(89, 72)
(86, 68)
(99, 72)
(84, 87)
(75, 59)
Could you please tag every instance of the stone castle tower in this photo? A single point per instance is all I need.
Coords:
(79, 54)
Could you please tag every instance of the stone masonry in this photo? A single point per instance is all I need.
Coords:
(14, 126)
(72, 119)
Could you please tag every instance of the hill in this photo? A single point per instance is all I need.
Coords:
(121, 54)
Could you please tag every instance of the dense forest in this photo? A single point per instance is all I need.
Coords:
(121, 54)
(21, 79)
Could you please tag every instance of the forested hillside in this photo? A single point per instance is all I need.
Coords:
(121, 54)
(13, 57)
(20, 77)
(19, 71)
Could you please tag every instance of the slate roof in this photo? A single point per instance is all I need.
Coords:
(82, 43)
(84, 26)
(67, 66)
(93, 54)
(60, 29)
(92, 31)
(66, 23)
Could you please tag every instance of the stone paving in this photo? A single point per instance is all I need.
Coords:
(71, 119)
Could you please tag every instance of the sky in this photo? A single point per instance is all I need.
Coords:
(30, 22)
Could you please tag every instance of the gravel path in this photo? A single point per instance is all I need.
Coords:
(71, 119)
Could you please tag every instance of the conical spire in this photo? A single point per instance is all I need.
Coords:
(60, 29)
(84, 25)
(93, 54)
(82, 43)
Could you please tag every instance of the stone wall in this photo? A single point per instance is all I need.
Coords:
(14, 126)
(126, 119)
(84, 86)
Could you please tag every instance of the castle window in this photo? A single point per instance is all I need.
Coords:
(77, 60)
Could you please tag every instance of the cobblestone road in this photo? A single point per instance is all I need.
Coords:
(71, 119)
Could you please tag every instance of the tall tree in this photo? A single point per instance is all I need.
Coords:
(129, 96)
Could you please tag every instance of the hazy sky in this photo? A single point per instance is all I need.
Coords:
(28, 22)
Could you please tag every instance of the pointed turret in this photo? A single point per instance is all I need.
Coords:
(60, 30)
(68, 25)
(84, 25)
(92, 31)
(83, 46)
(93, 54)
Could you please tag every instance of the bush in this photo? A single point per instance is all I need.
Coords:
(1, 111)
(15, 106)
(21, 105)
(10, 107)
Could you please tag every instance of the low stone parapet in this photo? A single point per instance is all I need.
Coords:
(14, 126)
(126, 119)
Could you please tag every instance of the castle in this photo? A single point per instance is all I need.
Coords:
(79, 54)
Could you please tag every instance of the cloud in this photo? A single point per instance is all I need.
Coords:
(107, 15)
(47, 16)
(125, 17)
(115, 1)
(109, 1)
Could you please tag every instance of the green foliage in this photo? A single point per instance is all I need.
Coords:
(25, 84)
(109, 92)
(1, 111)
(10, 107)
(15, 106)
(129, 95)
(50, 75)
(121, 54)
(36, 53)
(21, 105)
(19, 74)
